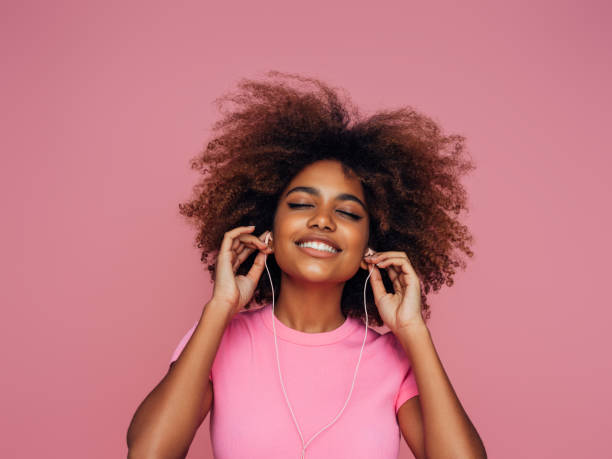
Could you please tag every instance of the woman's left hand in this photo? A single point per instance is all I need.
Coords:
(402, 307)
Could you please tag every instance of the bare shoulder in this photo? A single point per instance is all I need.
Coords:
(410, 420)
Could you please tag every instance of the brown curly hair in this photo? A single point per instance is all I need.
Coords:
(409, 170)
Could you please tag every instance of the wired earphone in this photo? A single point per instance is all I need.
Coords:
(267, 239)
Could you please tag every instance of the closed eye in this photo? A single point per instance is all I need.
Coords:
(292, 205)
(353, 216)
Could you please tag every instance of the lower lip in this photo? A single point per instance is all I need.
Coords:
(317, 253)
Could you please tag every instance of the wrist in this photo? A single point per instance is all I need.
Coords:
(413, 327)
(220, 309)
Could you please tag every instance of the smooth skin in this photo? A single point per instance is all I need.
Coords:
(310, 297)
(328, 203)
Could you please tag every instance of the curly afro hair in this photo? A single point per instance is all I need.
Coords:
(410, 172)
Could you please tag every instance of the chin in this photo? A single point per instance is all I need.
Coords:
(320, 276)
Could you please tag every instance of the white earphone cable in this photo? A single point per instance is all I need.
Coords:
(304, 446)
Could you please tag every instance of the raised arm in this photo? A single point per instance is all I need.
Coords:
(165, 423)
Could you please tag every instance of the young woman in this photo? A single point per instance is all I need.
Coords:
(340, 202)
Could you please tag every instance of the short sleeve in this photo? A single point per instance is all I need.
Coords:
(408, 387)
(182, 343)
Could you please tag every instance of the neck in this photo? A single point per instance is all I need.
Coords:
(309, 307)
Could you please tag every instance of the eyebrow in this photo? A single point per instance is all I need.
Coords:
(316, 192)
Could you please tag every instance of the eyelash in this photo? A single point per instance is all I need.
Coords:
(353, 216)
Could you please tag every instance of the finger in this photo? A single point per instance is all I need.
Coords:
(247, 246)
(236, 263)
(393, 272)
(243, 239)
(226, 255)
(378, 288)
(239, 250)
(404, 266)
(258, 266)
(230, 236)
(379, 261)
(243, 255)
(240, 242)
(395, 279)
(405, 273)
(384, 255)
(252, 240)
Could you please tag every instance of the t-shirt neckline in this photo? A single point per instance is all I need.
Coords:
(313, 339)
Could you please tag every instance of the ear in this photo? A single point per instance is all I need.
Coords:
(268, 240)
(363, 264)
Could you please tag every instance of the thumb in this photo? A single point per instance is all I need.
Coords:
(378, 288)
(258, 266)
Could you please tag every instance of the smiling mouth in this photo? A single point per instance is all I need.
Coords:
(318, 253)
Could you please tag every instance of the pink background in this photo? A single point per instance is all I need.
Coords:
(104, 103)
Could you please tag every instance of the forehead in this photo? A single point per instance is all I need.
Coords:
(327, 175)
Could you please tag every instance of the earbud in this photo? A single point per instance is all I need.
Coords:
(268, 238)
(369, 252)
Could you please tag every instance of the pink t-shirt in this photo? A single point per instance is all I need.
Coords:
(250, 417)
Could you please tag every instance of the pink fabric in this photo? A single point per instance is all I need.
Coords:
(250, 417)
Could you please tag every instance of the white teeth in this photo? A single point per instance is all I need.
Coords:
(318, 246)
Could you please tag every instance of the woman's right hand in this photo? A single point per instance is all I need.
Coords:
(232, 291)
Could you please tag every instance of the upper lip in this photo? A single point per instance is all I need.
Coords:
(319, 238)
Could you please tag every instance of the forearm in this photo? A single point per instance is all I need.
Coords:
(448, 432)
(167, 420)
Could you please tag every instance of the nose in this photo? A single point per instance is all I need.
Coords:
(322, 220)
